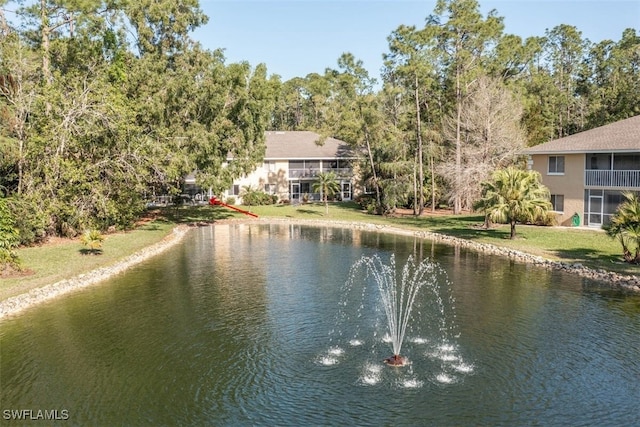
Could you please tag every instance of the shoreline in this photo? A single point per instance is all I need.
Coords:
(617, 282)
(19, 303)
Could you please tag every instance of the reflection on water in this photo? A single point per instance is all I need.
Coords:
(233, 327)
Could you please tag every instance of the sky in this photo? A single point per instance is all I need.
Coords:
(297, 37)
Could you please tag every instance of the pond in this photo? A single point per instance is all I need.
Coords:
(252, 324)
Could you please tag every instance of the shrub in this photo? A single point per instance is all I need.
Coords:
(29, 219)
(367, 202)
(254, 197)
(92, 239)
(9, 239)
(625, 227)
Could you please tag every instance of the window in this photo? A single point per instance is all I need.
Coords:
(296, 164)
(556, 165)
(598, 161)
(305, 187)
(303, 168)
(270, 188)
(234, 190)
(557, 201)
(269, 166)
(626, 162)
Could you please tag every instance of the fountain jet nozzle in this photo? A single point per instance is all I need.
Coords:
(395, 360)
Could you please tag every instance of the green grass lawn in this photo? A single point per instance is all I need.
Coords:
(67, 258)
(54, 262)
(590, 247)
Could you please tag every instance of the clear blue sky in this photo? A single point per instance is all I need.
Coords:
(297, 37)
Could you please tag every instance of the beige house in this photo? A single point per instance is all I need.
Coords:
(587, 172)
(292, 162)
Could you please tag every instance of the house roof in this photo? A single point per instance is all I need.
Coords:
(621, 136)
(303, 145)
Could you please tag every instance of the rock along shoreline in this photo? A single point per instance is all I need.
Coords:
(625, 283)
(17, 304)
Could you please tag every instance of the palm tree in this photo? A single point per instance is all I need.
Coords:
(93, 240)
(328, 185)
(514, 195)
(625, 226)
(250, 195)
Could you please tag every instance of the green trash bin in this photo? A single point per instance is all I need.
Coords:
(575, 220)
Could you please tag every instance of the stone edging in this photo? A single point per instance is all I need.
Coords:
(18, 303)
(14, 305)
(630, 284)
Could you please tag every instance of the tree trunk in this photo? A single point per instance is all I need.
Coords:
(20, 165)
(44, 39)
(372, 164)
(433, 181)
(415, 186)
(457, 202)
(513, 230)
(420, 200)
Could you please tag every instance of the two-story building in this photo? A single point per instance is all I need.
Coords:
(292, 162)
(587, 172)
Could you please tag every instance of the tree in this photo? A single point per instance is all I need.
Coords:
(89, 124)
(610, 80)
(327, 184)
(4, 25)
(287, 113)
(162, 26)
(464, 40)
(92, 239)
(354, 114)
(625, 226)
(514, 195)
(9, 240)
(396, 158)
(19, 83)
(251, 195)
(223, 119)
(406, 48)
(565, 51)
(490, 129)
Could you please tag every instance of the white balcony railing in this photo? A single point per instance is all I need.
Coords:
(611, 178)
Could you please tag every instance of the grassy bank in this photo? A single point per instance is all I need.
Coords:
(590, 247)
(64, 259)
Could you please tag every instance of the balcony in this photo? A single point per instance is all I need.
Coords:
(612, 178)
(312, 173)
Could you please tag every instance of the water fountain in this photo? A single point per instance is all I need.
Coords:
(397, 299)
(414, 304)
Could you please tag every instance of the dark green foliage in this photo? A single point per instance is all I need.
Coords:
(96, 123)
(514, 195)
(625, 227)
(253, 197)
(30, 218)
(9, 239)
(327, 184)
